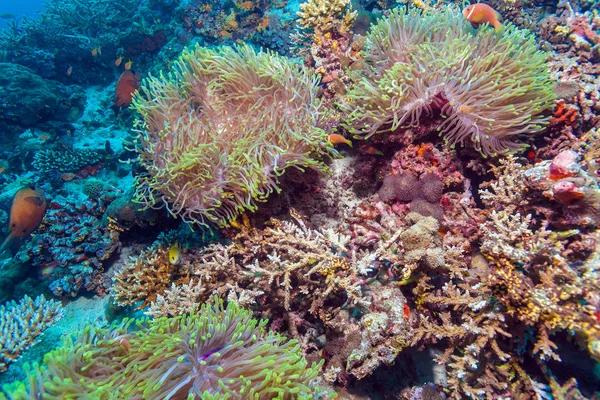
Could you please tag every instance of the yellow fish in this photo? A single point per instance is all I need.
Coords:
(175, 254)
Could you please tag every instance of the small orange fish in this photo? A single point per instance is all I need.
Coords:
(128, 65)
(406, 311)
(69, 70)
(335, 138)
(94, 52)
(2, 169)
(224, 33)
(481, 13)
(246, 5)
(44, 137)
(371, 150)
(118, 61)
(262, 26)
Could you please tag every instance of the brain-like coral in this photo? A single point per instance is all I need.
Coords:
(490, 87)
(219, 130)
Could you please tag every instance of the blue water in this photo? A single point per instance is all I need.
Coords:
(24, 7)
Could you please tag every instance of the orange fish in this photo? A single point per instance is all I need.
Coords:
(262, 26)
(2, 169)
(44, 137)
(128, 65)
(69, 70)
(246, 5)
(26, 213)
(128, 83)
(118, 61)
(481, 13)
(334, 138)
(371, 150)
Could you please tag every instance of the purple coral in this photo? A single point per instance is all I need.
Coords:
(403, 187)
(432, 187)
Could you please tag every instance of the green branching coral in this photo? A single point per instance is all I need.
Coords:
(490, 87)
(219, 353)
(221, 127)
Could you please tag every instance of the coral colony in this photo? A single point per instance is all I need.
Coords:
(267, 199)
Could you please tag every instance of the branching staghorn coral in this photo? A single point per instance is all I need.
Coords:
(220, 129)
(146, 276)
(21, 324)
(490, 87)
(219, 352)
(506, 304)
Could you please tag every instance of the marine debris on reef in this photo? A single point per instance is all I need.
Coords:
(377, 187)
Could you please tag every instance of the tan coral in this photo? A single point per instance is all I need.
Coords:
(326, 15)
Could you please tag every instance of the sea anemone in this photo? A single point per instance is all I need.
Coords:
(219, 130)
(490, 87)
(218, 353)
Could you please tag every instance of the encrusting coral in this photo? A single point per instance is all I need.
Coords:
(222, 127)
(22, 323)
(220, 352)
(489, 87)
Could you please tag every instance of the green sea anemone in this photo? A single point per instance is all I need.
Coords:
(218, 353)
(219, 130)
(489, 86)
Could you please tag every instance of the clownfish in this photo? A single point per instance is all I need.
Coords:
(481, 13)
(26, 213)
(335, 138)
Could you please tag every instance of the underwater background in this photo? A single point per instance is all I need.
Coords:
(300, 200)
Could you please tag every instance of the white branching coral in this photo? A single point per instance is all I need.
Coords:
(22, 323)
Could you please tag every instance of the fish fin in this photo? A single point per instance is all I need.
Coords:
(499, 28)
(474, 24)
(349, 142)
(11, 243)
(35, 200)
(116, 109)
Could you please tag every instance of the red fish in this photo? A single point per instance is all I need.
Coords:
(26, 213)
(480, 13)
(128, 83)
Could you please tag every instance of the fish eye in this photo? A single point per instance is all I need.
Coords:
(13, 225)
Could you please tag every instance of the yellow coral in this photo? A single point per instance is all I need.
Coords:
(326, 15)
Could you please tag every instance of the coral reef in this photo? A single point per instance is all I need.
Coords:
(72, 244)
(489, 88)
(22, 323)
(326, 41)
(73, 160)
(218, 147)
(218, 352)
